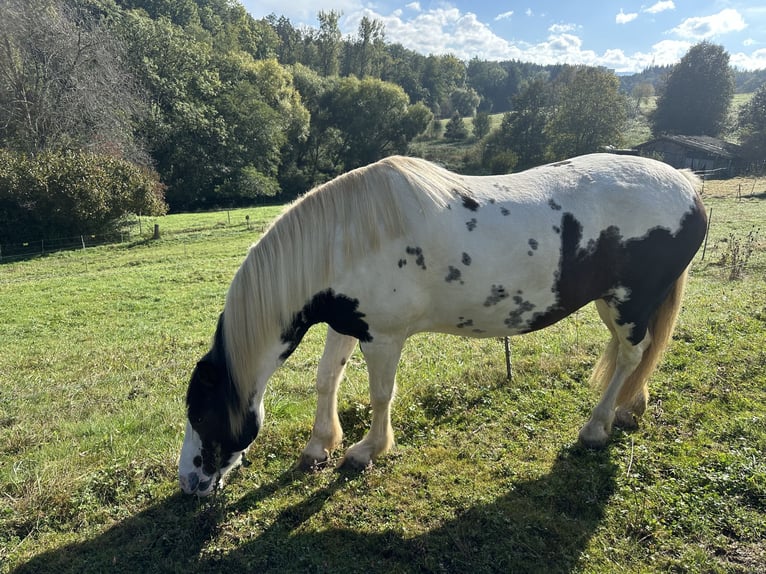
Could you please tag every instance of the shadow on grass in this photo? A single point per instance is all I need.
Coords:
(540, 525)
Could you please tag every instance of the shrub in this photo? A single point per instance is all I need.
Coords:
(456, 128)
(60, 194)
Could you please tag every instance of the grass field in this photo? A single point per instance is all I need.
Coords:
(96, 347)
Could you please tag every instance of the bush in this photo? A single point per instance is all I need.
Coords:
(60, 194)
(456, 128)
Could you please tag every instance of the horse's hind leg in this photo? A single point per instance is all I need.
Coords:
(382, 357)
(327, 432)
(620, 360)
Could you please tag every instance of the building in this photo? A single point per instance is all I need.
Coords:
(704, 155)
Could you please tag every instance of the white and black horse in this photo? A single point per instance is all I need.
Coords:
(403, 246)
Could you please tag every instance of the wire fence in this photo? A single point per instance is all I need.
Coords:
(27, 249)
(144, 228)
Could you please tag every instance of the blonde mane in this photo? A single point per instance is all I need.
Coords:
(334, 224)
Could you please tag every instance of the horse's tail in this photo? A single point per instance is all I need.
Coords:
(633, 392)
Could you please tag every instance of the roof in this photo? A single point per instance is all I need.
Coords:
(706, 144)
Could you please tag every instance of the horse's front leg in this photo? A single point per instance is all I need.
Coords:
(382, 357)
(327, 432)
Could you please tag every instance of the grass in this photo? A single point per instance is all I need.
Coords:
(97, 346)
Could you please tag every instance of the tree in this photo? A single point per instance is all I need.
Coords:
(696, 97)
(526, 132)
(481, 125)
(464, 101)
(497, 155)
(456, 128)
(263, 115)
(63, 84)
(366, 51)
(643, 91)
(752, 123)
(489, 80)
(590, 113)
(373, 119)
(328, 42)
(441, 75)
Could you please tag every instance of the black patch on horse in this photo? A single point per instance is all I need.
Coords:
(420, 259)
(514, 320)
(466, 259)
(453, 274)
(335, 309)
(211, 399)
(471, 224)
(468, 202)
(497, 294)
(646, 266)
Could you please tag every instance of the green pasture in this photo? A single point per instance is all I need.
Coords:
(96, 346)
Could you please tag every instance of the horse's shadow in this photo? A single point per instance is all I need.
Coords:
(539, 525)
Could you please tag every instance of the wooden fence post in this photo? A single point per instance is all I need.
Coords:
(507, 343)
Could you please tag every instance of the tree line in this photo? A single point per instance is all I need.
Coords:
(215, 108)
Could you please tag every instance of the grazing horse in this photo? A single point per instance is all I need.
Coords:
(403, 246)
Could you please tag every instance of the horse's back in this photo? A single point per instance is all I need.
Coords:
(509, 254)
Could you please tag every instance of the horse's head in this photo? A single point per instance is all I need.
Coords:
(220, 425)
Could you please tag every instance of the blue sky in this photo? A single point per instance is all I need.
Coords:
(623, 35)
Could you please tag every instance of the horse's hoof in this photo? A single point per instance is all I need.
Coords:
(308, 463)
(625, 420)
(593, 436)
(349, 464)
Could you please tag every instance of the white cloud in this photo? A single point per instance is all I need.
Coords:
(660, 6)
(443, 31)
(623, 18)
(754, 61)
(446, 29)
(504, 15)
(562, 28)
(699, 28)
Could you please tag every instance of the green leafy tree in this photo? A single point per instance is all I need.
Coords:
(481, 125)
(264, 115)
(590, 114)
(185, 133)
(489, 79)
(696, 96)
(526, 133)
(328, 40)
(497, 154)
(440, 76)
(373, 119)
(752, 125)
(366, 51)
(456, 128)
(464, 101)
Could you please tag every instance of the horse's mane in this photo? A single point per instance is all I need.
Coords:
(333, 224)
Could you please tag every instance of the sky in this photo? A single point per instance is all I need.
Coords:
(623, 35)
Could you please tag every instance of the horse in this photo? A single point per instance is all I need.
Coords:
(403, 246)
